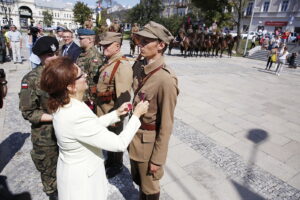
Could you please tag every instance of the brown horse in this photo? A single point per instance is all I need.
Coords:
(230, 43)
(207, 45)
(174, 43)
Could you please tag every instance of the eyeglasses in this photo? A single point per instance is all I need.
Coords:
(81, 38)
(80, 76)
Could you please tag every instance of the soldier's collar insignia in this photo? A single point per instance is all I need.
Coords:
(53, 47)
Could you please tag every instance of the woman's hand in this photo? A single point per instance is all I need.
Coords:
(124, 109)
(141, 108)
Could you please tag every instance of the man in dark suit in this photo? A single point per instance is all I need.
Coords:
(70, 48)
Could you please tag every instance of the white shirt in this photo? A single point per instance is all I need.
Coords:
(14, 36)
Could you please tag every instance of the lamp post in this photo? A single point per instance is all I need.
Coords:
(245, 50)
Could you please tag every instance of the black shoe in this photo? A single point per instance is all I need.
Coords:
(113, 171)
(53, 196)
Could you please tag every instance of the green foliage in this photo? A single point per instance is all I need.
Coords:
(172, 23)
(145, 12)
(81, 12)
(48, 17)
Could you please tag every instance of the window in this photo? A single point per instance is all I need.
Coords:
(266, 6)
(249, 8)
(284, 5)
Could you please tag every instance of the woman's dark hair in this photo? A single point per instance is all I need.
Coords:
(56, 77)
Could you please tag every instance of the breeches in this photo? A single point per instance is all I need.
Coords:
(115, 158)
(149, 183)
(45, 161)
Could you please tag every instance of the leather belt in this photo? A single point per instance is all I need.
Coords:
(148, 127)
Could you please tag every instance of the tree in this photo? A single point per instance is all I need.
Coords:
(226, 12)
(239, 6)
(48, 17)
(146, 11)
(81, 12)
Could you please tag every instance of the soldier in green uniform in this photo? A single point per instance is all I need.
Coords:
(90, 61)
(113, 89)
(33, 105)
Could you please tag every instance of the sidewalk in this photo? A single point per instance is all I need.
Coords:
(236, 134)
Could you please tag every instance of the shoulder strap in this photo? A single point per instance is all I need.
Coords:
(115, 68)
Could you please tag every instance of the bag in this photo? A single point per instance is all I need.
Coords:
(106, 97)
(274, 58)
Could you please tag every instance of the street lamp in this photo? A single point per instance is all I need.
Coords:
(245, 50)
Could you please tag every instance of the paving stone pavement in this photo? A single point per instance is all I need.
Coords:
(236, 134)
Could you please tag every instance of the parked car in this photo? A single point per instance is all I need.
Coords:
(251, 35)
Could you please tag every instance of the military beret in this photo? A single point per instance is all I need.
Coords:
(59, 28)
(156, 31)
(45, 45)
(84, 31)
(111, 37)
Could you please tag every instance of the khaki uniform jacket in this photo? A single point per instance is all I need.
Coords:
(161, 91)
(33, 104)
(120, 85)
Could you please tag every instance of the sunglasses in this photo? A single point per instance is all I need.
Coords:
(80, 76)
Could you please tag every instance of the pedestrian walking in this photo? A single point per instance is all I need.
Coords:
(33, 105)
(113, 89)
(15, 38)
(282, 60)
(272, 58)
(81, 135)
(253, 42)
(156, 83)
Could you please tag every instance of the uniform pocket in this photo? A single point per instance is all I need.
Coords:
(148, 137)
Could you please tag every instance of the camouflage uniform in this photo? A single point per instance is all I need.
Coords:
(33, 103)
(2, 48)
(90, 62)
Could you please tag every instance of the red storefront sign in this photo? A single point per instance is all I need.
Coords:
(275, 23)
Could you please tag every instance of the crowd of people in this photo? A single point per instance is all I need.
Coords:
(81, 103)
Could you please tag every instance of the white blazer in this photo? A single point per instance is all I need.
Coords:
(81, 136)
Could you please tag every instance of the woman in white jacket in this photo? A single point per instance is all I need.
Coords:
(81, 135)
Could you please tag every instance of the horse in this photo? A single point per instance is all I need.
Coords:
(174, 43)
(207, 45)
(230, 43)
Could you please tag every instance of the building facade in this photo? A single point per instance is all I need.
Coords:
(272, 14)
(24, 13)
(175, 7)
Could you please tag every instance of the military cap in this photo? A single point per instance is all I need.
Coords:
(111, 37)
(45, 45)
(84, 31)
(59, 28)
(156, 31)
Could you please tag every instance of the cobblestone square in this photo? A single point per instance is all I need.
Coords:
(236, 134)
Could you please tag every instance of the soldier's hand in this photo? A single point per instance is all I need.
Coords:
(153, 168)
(141, 108)
(124, 108)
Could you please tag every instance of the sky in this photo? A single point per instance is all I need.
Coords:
(122, 2)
